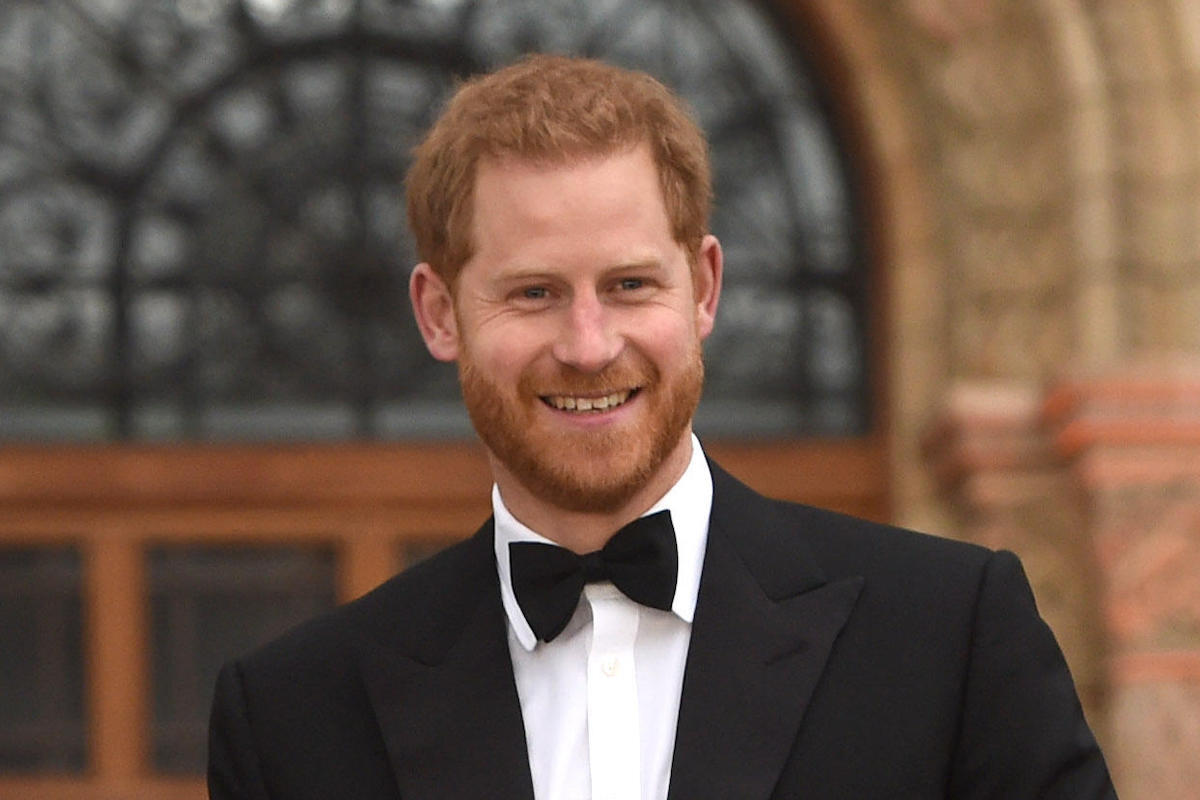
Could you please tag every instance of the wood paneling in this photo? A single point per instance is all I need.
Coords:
(372, 503)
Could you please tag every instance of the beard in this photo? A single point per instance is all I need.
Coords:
(584, 470)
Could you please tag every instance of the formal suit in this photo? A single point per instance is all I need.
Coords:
(830, 659)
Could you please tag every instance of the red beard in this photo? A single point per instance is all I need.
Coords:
(596, 470)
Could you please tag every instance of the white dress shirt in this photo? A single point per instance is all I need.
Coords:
(601, 701)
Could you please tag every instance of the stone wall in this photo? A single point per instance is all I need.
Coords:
(1130, 441)
(1095, 481)
(1034, 174)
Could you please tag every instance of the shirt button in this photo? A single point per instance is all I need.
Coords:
(610, 666)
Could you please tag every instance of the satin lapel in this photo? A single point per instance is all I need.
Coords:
(759, 646)
(453, 728)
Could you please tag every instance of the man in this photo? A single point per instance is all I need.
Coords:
(774, 651)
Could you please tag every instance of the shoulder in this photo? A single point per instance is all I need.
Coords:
(770, 531)
(944, 651)
(297, 713)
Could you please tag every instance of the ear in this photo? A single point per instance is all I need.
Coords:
(433, 308)
(706, 279)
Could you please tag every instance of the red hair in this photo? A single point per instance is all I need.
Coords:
(554, 110)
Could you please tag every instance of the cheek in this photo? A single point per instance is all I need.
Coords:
(668, 340)
(504, 352)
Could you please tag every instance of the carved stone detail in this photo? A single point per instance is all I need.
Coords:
(1096, 484)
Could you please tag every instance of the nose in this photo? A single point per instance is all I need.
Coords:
(587, 340)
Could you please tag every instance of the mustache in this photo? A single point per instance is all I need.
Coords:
(566, 380)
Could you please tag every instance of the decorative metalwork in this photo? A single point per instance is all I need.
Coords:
(201, 227)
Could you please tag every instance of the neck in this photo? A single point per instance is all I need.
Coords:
(587, 531)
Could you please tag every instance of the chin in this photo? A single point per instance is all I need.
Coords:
(586, 468)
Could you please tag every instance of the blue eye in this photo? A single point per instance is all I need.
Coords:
(534, 293)
(629, 284)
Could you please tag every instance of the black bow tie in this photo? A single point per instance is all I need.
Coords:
(641, 559)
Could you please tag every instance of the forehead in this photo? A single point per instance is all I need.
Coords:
(592, 194)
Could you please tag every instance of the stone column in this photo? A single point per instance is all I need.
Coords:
(1130, 439)
(1008, 490)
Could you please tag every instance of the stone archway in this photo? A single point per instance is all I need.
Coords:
(1034, 170)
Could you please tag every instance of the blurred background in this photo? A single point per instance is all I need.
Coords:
(962, 295)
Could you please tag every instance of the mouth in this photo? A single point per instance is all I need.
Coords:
(589, 405)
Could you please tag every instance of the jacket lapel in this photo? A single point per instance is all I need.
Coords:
(447, 703)
(766, 621)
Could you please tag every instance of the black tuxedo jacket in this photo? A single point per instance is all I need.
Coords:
(830, 659)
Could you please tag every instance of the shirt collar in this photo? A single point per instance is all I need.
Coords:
(689, 501)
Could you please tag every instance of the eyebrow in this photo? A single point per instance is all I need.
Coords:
(633, 266)
(520, 273)
(644, 263)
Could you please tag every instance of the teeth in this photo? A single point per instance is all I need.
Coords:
(568, 403)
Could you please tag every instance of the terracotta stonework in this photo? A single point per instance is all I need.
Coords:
(1131, 440)
(999, 471)
(1096, 484)
(1035, 173)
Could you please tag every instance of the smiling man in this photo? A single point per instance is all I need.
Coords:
(576, 323)
(633, 622)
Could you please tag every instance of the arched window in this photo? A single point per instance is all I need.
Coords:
(201, 227)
